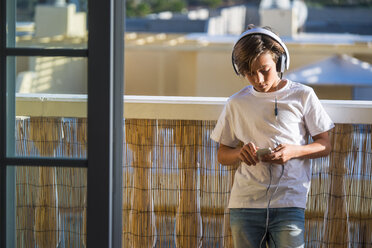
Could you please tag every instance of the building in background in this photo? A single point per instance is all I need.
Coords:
(185, 63)
(338, 71)
(294, 16)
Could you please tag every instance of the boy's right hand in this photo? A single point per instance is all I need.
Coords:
(248, 155)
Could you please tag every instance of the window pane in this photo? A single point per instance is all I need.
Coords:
(49, 207)
(47, 106)
(54, 24)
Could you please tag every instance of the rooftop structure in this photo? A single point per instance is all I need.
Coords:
(185, 64)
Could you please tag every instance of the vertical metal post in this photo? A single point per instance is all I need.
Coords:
(119, 17)
(105, 108)
(3, 27)
(10, 151)
(10, 124)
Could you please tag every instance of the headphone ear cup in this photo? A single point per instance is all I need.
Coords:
(281, 64)
(235, 66)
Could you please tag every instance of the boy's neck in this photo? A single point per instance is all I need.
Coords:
(281, 84)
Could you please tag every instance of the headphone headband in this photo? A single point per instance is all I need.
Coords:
(264, 32)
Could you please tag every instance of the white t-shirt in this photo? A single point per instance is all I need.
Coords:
(249, 116)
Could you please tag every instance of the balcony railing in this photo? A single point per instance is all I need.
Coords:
(172, 108)
(175, 192)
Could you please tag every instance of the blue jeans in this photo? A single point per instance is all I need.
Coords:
(286, 227)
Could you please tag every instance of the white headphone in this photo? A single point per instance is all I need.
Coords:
(283, 62)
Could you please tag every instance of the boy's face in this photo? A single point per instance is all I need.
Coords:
(263, 75)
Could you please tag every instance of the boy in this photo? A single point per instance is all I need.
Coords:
(269, 194)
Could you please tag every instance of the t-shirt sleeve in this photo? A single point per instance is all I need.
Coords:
(316, 118)
(223, 132)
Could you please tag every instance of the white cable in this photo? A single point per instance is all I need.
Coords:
(268, 205)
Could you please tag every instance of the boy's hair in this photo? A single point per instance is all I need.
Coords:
(250, 47)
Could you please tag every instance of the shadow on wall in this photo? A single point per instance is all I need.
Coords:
(53, 75)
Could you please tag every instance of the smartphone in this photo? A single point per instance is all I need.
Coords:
(263, 151)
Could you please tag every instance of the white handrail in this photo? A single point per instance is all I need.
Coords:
(171, 107)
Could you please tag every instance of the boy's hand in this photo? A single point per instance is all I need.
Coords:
(248, 155)
(281, 154)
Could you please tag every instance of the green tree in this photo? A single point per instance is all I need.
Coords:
(211, 3)
(167, 5)
(137, 9)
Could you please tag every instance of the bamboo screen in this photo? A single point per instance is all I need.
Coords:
(174, 191)
(50, 201)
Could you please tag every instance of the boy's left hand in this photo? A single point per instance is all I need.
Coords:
(281, 154)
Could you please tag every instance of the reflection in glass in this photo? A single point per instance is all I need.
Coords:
(51, 137)
(47, 106)
(50, 205)
(51, 75)
(54, 24)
